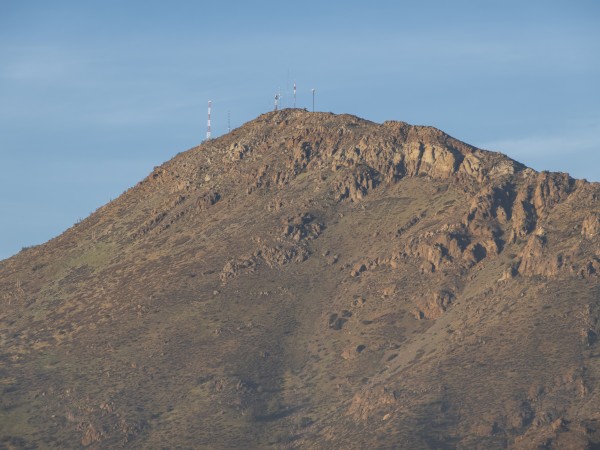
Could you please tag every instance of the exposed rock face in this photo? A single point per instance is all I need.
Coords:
(435, 305)
(313, 281)
(535, 259)
(591, 225)
(302, 226)
(551, 189)
(208, 199)
(272, 256)
(355, 185)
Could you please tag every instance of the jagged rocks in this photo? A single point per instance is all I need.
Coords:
(437, 162)
(524, 215)
(493, 203)
(591, 225)
(435, 305)
(208, 199)
(257, 178)
(300, 157)
(234, 268)
(536, 198)
(280, 255)
(534, 258)
(471, 166)
(550, 189)
(238, 150)
(452, 245)
(510, 272)
(537, 258)
(301, 227)
(151, 223)
(559, 434)
(174, 209)
(408, 225)
(355, 183)
(272, 256)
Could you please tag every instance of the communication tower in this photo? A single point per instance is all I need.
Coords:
(208, 123)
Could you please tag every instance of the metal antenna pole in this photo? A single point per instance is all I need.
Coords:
(208, 123)
(313, 92)
(294, 93)
(228, 121)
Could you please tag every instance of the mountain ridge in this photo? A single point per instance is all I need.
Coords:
(313, 280)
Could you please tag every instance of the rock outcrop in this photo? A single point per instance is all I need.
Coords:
(591, 225)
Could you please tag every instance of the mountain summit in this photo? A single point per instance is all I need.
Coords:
(313, 280)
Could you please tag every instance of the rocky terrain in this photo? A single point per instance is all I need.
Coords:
(312, 280)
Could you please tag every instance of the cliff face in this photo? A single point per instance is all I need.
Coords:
(313, 280)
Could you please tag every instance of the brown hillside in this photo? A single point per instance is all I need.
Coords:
(312, 280)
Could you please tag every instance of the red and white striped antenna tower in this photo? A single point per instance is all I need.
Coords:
(208, 123)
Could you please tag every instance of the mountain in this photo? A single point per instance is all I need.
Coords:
(313, 280)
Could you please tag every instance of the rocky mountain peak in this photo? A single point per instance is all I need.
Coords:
(313, 279)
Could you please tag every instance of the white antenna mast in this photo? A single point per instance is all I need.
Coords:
(208, 134)
(294, 93)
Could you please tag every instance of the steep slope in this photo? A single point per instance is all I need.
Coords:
(313, 280)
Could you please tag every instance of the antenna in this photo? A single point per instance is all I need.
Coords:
(276, 102)
(294, 93)
(208, 123)
(228, 122)
(313, 92)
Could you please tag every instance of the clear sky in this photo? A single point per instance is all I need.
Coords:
(94, 94)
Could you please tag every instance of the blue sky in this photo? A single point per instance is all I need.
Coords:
(94, 94)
